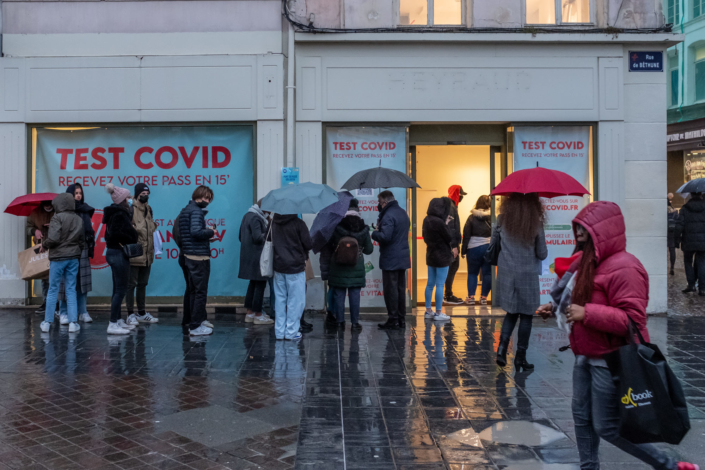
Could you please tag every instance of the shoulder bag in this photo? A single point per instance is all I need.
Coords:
(492, 253)
(266, 260)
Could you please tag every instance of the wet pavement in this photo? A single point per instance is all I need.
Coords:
(681, 304)
(429, 397)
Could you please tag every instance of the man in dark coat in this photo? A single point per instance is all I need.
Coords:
(253, 234)
(690, 233)
(195, 244)
(392, 234)
(455, 194)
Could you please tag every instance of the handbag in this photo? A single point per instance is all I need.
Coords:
(652, 406)
(266, 259)
(492, 253)
(133, 250)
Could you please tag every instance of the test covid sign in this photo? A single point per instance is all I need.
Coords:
(352, 149)
(563, 148)
(172, 161)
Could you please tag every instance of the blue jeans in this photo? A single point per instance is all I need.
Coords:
(476, 262)
(436, 278)
(596, 415)
(81, 302)
(58, 271)
(290, 301)
(339, 303)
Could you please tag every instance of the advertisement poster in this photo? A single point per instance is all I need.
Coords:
(172, 161)
(352, 149)
(566, 149)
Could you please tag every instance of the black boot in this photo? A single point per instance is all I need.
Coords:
(330, 319)
(389, 325)
(502, 354)
(520, 361)
(689, 289)
(510, 321)
(305, 326)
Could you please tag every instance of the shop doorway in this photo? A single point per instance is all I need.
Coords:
(438, 167)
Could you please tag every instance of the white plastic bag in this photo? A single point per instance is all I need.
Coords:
(157, 243)
(266, 260)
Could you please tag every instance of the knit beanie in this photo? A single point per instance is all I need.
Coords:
(354, 205)
(139, 187)
(117, 194)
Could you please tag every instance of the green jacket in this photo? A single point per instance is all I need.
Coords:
(343, 276)
(144, 224)
(65, 239)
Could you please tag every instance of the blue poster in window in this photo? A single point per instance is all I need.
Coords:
(645, 61)
(290, 176)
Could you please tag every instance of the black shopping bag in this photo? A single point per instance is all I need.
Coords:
(652, 405)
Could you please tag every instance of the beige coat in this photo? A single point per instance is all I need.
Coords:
(145, 226)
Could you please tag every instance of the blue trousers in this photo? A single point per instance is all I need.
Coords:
(436, 278)
(290, 301)
(339, 303)
(477, 263)
(58, 271)
(81, 302)
(596, 415)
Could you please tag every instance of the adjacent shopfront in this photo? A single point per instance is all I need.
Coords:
(686, 154)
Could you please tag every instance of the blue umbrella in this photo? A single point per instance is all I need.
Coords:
(304, 198)
(327, 219)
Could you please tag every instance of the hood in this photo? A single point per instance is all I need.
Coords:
(353, 224)
(81, 206)
(439, 207)
(111, 210)
(696, 204)
(454, 193)
(480, 213)
(280, 219)
(64, 202)
(605, 223)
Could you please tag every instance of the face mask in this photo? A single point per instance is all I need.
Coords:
(202, 204)
(144, 199)
(379, 207)
(129, 202)
(49, 208)
(460, 199)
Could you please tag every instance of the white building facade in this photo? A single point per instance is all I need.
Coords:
(445, 100)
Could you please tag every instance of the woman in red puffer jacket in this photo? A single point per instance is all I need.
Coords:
(611, 289)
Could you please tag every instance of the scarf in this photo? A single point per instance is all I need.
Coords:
(255, 209)
(355, 213)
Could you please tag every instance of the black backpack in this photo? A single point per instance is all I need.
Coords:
(347, 252)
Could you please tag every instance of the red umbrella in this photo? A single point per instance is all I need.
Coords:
(24, 205)
(548, 183)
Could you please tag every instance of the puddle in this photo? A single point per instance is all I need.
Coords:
(466, 436)
(521, 432)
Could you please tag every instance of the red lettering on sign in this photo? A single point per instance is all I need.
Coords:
(138, 160)
(64, 156)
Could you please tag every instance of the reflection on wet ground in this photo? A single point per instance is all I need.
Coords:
(429, 397)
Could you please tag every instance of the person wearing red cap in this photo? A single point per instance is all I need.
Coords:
(455, 194)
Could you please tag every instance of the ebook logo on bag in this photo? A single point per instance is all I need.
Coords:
(633, 400)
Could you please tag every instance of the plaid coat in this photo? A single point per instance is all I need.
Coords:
(518, 270)
(84, 283)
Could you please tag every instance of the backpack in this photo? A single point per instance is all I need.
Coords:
(347, 252)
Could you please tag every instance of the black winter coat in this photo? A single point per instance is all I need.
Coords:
(291, 242)
(690, 229)
(195, 237)
(118, 227)
(477, 225)
(436, 234)
(324, 260)
(253, 233)
(392, 234)
(672, 224)
(454, 225)
(85, 212)
(345, 276)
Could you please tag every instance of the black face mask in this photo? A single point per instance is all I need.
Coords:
(379, 207)
(144, 199)
(460, 198)
(202, 204)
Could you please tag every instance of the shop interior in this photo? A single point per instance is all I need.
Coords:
(438, 167)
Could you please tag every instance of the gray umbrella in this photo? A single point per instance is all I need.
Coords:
(694, 186)
(304, 198)
(379, 178)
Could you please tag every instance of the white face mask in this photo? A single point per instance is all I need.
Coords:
(48, 209)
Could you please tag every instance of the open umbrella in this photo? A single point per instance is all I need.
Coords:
(327, 219)
(304, 198)
(548, 183)
(379, 178)
(693, 186)
(24, 205)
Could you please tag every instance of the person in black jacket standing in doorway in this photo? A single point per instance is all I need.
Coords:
(455, 194)
(392, 234)
(439, 253)
(195, 243)
(690, 233)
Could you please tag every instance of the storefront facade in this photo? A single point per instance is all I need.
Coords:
(463, 100)
(686, 155)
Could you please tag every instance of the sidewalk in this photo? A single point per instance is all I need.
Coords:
(427, 398)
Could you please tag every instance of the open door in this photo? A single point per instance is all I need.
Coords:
(498, 171)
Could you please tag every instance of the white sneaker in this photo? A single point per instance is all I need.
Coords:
(429, 314)
(201, 331)
(126, 326)
(115, 329)
(45, 326)
(250, 318)
(64, 319)
(263, 320)
(441, 317)
(146, 318)
(84, 317)
(207, 324)
(132, 320)
(74, 327)
(297, 337)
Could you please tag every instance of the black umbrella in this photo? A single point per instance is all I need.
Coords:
(694, 186)
(379, 178)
